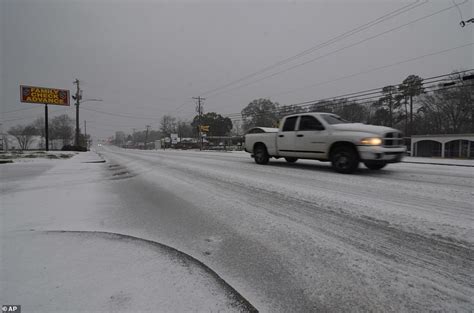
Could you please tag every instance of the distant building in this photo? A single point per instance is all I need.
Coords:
(443, 146)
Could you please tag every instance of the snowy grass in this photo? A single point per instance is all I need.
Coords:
(20, 155)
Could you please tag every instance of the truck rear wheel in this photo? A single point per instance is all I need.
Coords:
(375, 165)
(261, 155)
(344, 159)
(291, 159)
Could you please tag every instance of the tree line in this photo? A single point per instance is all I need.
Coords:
(60, 130)
(218, 126)
(410, 107)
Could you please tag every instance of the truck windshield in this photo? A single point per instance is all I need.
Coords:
(334, 119)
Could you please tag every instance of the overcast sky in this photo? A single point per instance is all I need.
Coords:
(149, 58)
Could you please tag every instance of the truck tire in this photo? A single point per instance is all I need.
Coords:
(291, 159)
(344, 159)
(261, 155)
(375, 165)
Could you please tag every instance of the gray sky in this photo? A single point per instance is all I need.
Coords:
(148, 58)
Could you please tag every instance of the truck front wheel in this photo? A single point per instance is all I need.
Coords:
(261, 155)
(344, 159)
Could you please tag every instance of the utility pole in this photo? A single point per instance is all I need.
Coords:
(85, 134)
(78, 101)
(146, 135)
(199, 110)
(133, 138)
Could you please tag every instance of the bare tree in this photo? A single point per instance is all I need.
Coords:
(168, 125)
(237, 128)
(449, 109)
(61, 127)
(184, 129)
(39, 125)
(23, 134)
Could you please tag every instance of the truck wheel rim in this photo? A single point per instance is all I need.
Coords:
(342, 161)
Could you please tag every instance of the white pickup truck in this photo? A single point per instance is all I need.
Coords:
(326, 137)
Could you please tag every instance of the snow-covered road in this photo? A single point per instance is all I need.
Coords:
(288, 237)
(299, 237)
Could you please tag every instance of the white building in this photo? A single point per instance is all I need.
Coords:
(443, 146)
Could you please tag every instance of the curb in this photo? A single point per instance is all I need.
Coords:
(446, 164)
(241, 302)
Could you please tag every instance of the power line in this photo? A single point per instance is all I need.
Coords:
(31, 116)
(121, 115)
(428, 80)
(24, 109)
(113, 124)
(372, 70)
(333, 102)
(324, 44)
(340, 49)
(301, 105)
(459, 10)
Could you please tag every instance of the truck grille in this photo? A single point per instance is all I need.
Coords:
(393, 140)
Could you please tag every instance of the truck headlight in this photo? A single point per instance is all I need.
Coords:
(373, 141)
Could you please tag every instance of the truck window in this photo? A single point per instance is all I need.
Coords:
(334, 119)
(290, 123)
(310, 123)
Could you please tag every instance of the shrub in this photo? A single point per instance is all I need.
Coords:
(73, 148)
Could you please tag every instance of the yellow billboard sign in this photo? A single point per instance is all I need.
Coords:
(30, 94)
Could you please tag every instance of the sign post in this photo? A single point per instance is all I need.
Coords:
(41, 95)
(46, 131)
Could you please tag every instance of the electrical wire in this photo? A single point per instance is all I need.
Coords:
(24, 109)
(324, 44)
(372, 70)
(121, 115)
(322, 106)
(351, 100)
(339, 50)
(373, 91)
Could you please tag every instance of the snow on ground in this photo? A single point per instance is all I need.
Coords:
(80, 269)
(459, 162)
(288, 237)
(299, 237)
(102, 272)
(432, 198)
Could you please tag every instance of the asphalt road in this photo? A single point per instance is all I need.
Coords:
(299, 237)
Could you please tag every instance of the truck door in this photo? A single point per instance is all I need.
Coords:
(286, 137)
(311, 137)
